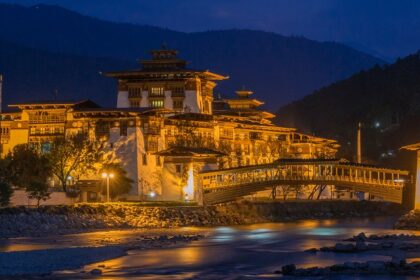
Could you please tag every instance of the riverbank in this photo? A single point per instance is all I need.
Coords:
(53, 220)
(397, 247)
(40, 257)
(411, 220)
(233, 252)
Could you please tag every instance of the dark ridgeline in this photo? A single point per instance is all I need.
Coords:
(278, 68)
(385, 99)
(30, 74)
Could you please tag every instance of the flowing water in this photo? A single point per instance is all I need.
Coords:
(241, 252)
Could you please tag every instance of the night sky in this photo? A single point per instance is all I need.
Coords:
(385, 28)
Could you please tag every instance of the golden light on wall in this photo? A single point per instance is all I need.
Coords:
(189, 187)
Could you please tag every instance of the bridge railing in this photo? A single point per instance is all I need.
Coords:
(304, 173)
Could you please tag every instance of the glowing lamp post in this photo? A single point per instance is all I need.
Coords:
(107, 176)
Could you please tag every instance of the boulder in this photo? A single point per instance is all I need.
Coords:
(345, 248)
(96, 271)
(288, 269)
(361, 246)
(376, 267)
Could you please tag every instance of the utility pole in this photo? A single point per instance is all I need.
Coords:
(359, 143)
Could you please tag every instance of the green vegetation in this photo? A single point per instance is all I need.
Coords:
(32, 167)
(73, 156)
(6, 190)
(28, 166)
(385, 99)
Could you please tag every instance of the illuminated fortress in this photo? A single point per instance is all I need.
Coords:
(167, 126)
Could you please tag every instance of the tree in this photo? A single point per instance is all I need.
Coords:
(120, 183)
(28, 165)
(30, 169)
(74, 155)
(6, 190)
(39, 191)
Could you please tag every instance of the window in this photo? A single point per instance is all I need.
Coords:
(144, 159)
(178, 168)
(102, 129)
(152, 145)
(135, 103)
(134, 92)
(46, 117)
(157, 91)
(177, 91)
(158, 161)
(156, 103)
(123, 128)
(178, 104)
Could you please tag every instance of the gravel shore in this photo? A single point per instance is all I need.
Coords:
(41, 263)
(53, 220)
(410, 220)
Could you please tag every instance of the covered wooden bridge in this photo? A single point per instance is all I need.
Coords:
(229, 184)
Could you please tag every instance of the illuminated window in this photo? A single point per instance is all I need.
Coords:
(157, 91)
(156, 104)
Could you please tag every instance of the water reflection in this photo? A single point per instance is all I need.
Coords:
(242, 252)
(250, 252)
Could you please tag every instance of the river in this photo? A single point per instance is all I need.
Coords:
(240, 252)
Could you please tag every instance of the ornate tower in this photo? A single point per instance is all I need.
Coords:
(165, 81)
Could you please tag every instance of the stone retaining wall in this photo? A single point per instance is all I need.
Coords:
(48, 220)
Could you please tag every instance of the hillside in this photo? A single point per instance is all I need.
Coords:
(31, 74)
(278, 68)
(385, 99)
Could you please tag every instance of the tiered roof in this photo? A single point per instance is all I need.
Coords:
(165, 65)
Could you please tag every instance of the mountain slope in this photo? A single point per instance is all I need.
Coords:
(385, 99)
(31, 74)
(278, 68)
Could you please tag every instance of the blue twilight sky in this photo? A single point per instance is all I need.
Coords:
(387, 28)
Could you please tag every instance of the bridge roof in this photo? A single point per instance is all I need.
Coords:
(412, 147)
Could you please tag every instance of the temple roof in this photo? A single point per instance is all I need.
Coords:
(38, 104)
(189, 151)
(165, 62)
(412, 147)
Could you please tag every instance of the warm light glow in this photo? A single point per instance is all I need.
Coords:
(107, 175)
(152, 194)
(189, 188)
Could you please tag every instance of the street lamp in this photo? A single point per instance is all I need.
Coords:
(107, 176)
